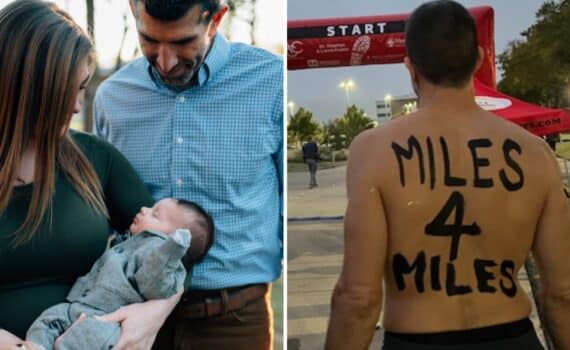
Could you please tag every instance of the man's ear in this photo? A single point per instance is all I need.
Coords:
(480, 57)
(217, 19)
(132, 5)
(410, 67)
(407, 63)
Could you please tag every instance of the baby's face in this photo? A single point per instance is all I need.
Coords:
(165, 216)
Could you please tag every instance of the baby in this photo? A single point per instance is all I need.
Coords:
(174, 233)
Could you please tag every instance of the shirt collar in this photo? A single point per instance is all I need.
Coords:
(214, 62)
(216, 58)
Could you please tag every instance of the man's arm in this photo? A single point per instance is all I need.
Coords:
(99, 121)
(278, 155)
(357, 297)
(550, 249)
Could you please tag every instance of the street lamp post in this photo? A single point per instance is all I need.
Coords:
(388, 103)
(347, 85)
(333, 148)
(291, 106)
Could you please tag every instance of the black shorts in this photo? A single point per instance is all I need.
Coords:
(517, 335)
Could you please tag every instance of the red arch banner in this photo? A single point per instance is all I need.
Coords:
(353, 41)
(337, 42)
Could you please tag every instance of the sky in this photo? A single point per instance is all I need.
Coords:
(109, 26)
(318, 89)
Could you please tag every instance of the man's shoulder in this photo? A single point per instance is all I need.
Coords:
(244, 54)
(128, 74)
(508, 130)
(241, 49)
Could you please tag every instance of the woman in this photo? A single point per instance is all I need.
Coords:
(60, 191)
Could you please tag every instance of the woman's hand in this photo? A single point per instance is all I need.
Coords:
(28, 345)
(8, 340)
(141, 322)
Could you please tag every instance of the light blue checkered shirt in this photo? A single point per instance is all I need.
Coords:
(218, 144)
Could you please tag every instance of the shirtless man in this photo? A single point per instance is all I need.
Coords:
(444, 206)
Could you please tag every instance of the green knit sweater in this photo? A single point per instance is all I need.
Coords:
(40, 273)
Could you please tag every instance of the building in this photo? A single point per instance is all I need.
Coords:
(393, 107)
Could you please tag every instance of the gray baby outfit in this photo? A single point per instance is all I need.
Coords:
(145, 266)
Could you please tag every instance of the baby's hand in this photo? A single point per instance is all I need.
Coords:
(182, 236)
(79, 319)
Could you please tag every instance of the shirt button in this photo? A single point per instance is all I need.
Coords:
(179, 140)
(179, 182)
(181, 99)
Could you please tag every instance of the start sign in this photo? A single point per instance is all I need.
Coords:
(337, 42)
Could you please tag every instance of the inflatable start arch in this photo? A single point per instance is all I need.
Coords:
(337, 42)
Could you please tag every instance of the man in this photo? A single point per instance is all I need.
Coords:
(201, 119)
(552, 140)
(443, 208)
(311, 157)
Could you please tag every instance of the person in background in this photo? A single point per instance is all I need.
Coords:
(552, 140)
(311, 157)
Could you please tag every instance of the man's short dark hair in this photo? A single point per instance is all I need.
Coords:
(441, 41)
(172, 10)
(202, 232)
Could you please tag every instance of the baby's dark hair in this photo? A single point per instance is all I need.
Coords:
(202, 230)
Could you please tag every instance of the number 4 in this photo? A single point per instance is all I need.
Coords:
(438, 226)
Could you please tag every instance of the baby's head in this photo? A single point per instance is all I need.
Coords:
(169, 214)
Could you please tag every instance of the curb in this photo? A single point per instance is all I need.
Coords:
(315, 218)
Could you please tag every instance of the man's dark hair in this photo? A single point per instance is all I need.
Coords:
(172, 10)
(202, 232)
(441, 41)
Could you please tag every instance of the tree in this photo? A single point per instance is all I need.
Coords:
(537, 68)
(352, 123)
(301, 126)
(356, 122)
(333, 134)
(99, 75)
(243, 10)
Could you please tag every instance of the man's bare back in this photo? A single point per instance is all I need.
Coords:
(462, 195)
(444, 206)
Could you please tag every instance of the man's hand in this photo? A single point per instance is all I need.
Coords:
(141, 322)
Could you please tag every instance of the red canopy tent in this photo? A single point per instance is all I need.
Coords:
(538, 120)
(337, 42)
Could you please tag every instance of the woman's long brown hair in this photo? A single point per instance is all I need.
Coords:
(42, 52)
